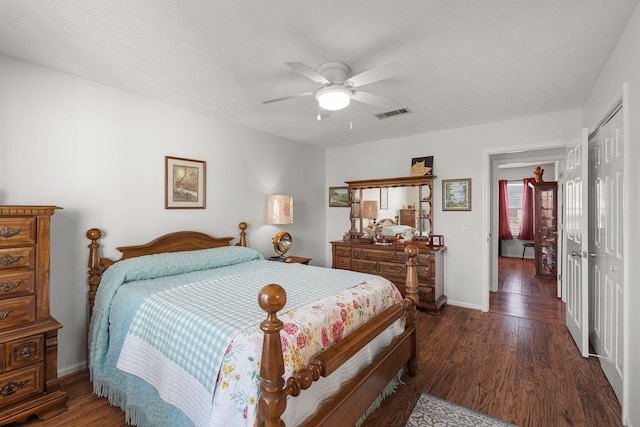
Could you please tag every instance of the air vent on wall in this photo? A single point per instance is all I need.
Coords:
(393, 113)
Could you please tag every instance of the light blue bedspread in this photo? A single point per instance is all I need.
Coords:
(136, 294)
(114, 309)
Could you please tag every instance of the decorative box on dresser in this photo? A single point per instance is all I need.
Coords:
(28, 334)
(389, 260)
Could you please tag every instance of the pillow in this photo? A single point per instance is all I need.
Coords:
(387, 222)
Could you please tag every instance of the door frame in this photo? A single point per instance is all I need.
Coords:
(490, 221)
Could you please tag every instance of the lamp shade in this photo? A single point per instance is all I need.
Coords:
(280, 209)
(370, 209)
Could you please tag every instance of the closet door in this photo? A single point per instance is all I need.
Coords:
(576, 235)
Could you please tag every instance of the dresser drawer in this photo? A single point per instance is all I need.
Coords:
(17, 311)
(375, 255)
(342, 251)
(389, 269)
(426, 293)
(425, 272)
(343, 263)
(21, 383)
(364, 266)
(13, 283)
(17, 231)
(422, 258)
(23, 352)
(16, 258)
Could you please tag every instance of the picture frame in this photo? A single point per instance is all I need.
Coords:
(422, 166)
(437, 240)
(456, 194)
(185, 183)
(339, 197)
(384, 198)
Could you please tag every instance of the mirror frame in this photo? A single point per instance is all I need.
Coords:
(355, 188)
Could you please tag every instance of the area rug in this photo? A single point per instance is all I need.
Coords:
(433, 411)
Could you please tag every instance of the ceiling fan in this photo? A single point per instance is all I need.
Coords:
(337, 89)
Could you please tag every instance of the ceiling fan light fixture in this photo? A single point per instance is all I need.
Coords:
(333, 98)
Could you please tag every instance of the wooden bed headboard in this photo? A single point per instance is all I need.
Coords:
(172, 242)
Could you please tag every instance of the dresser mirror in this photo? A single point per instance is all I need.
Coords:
(403, 210)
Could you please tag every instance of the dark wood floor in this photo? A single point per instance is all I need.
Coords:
(522, 294)
(521, 367)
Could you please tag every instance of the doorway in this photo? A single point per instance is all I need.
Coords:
(520, 291)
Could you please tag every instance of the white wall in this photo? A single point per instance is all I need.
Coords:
(624, 66)
(98, 152)
(457, 154)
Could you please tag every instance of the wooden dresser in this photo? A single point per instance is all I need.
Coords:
(28, 334)
(408, 217)
(389, 261)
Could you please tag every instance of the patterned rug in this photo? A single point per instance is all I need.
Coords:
(433, 411)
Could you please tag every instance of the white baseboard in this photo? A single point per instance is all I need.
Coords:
(72, 369)
(463, 304)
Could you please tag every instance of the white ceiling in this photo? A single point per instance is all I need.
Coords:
(467, 61)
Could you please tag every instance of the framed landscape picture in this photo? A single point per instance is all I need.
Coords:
(338, 197)
(456, 194)
(184, 183)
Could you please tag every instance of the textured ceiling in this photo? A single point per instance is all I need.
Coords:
(467, 61)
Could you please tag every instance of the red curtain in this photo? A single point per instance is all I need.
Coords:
(526, 223)
(504, 230)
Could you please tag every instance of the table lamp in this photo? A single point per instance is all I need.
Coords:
(280, 212)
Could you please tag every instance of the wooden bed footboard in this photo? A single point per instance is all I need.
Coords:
(357, 395)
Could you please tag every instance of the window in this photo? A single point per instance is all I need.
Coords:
(515, 191)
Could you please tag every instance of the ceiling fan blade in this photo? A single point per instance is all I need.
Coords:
(284, 98)
(372, 98)
(308, 72)
(375, 74)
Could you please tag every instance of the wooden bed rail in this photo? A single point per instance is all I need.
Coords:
(172, 242)
(356, 396)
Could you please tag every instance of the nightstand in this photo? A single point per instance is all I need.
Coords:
(291, 259)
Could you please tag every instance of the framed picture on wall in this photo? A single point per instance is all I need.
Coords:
(456, 194)
(184, 181)
(384, 198)
(338, 197)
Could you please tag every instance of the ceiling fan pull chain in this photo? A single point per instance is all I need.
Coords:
(350, 117)
(318, 117)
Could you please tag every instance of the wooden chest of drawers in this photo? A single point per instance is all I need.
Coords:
(28, 334)
(389, 262)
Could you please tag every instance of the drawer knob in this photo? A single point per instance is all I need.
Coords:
(4, 314)
(12, 387)
(6, 232)
(421, 293)
(8, 286)
(8, 259)
(25, 353)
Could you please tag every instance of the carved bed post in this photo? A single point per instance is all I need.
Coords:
(411, 292)
(243, 234)
(95, 268)
(273, 400)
